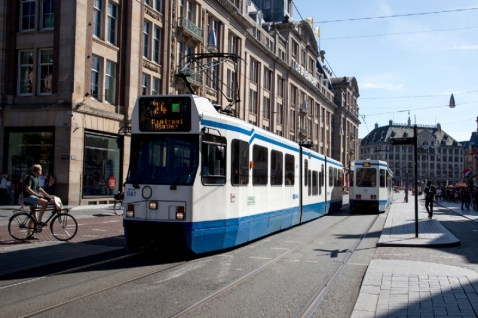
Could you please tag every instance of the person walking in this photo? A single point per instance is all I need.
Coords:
(429, 191)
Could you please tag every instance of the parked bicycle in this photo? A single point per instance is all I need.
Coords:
(119, 203)
(22, 225)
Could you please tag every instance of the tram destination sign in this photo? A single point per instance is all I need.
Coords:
(402, 141)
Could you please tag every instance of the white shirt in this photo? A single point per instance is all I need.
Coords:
(41, 181)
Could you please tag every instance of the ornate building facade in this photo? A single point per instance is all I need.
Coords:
(440, 157)
(73, 69)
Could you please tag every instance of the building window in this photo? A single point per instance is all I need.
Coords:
(25, 73)
(279, 114)
(45, 67)
(280, 86)
(155, 86)
(211, 75)
(146, 31)
(27, 15)
(155, 4)
(253, 102)
(234, 45)
(47, 14)
(254, 69)
(267, 79)
(157, 44)
(231, 82)
(112, 23)
(145, 84)
(95, 77)
(97, 8)
(180, 53)
(110, 82)
(267, 108)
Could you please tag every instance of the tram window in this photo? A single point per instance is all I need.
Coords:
(341, 178)
(213, 166)
(259, 170)
(331, 177)
(277, 167)
(336, 179)
(239, 162)
(322, 179)
(289, 170)
(315, 183)
(382, 178)
(366, 177)
(306, 176)
(309, 177)
(351, 176)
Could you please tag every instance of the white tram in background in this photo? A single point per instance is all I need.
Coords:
(207, 181)
(370, 185)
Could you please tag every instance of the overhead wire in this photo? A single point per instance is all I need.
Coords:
(397, 15)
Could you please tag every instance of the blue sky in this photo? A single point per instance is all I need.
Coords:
(410, 63)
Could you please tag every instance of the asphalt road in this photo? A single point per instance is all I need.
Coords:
(273, 277)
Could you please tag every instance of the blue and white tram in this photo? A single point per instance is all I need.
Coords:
(370, 185)
(207, 181)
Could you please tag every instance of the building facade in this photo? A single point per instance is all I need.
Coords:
(73, 69)
(439, 156)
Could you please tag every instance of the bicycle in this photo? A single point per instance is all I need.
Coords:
(22, 225)
(118, 207)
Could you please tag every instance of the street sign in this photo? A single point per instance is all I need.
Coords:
(402, 141)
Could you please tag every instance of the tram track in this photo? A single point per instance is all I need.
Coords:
(320, 292)
(306, 311)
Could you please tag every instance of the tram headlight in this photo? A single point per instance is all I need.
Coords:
(180, 213)
(130, 211)
(153, 205)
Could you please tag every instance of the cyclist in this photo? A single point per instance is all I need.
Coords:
(32, 192)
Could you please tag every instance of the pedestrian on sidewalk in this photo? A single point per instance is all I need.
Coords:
(430, 191)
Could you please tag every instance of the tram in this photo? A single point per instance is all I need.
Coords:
(204, 180)
(370, 185)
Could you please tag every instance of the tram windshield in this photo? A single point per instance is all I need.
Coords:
(163, 159)
(366, 177)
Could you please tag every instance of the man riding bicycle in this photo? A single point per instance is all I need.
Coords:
(32, 192)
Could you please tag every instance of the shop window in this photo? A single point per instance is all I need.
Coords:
(101, 168)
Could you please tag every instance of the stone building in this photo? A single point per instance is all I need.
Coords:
(440, 157)
(71, 71)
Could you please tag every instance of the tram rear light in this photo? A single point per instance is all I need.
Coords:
(180, 213)
(130, 211)
(359, 197)
(153, 205)
(373, 197)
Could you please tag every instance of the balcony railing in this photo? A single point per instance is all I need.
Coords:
(194, 78)
(190, 27)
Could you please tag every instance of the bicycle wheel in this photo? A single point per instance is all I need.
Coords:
(63, 227)
(118, 207)
(21, 226)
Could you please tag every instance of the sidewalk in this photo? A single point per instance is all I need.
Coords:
(394, 288)
(98, 239)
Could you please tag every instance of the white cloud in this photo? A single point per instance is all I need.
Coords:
(385, 86)
(463, 47)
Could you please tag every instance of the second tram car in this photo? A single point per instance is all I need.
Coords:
(370, 185)
(207, 181)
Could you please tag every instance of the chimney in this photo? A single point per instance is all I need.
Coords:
(390, 122)
(376, 125)
(322, 56)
